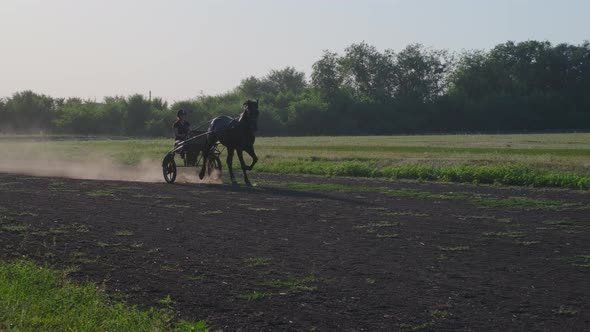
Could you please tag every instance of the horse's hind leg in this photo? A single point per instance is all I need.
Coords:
(230, 158)
(244, 167)
(205, 157)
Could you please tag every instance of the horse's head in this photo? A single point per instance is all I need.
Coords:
(250, 114)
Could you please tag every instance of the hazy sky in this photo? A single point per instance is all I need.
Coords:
(178, 48)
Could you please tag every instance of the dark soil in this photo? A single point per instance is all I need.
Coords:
(274, 258)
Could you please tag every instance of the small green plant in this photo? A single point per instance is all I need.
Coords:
(454, 248)
(82, 257)
(580, 260)
(253, 296)
(14, 228)
(62, 229)
(257, 261)
(177, 206)
(80, 228)
(527, 243)
(184, 326)
(107, 245)
(379, 224)
(171, 268)
(26, 214)
(559, 222)
(292, 284)
(566, 311)
(406, 213)
(196, 277)
(415, 326)
(206, 213)
(439, 313)
(123, 233)
(386, 236)
(502, 234)
(167, 302)
(101, 193)
(260, 209)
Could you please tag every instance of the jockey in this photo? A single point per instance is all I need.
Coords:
(181, 126)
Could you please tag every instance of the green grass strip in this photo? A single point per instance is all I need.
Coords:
(504, 174)
(33, 298)
(443, 150)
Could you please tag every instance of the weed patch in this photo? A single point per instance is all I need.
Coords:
(292, 284)
(559, 222)
(196, 277)
(566, 311)
(101, 193)
(207, 213)
(439, 313)
(580, 260)
(261, 209)
(41, 299)
(177, 206)
(415, 326)
(257, 261)
(504, 234)
(253, 296)
(14, 228)
(455, 248)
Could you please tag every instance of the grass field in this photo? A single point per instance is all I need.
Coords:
(41, 299)
(556, 160)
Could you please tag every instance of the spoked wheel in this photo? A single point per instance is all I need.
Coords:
(214, 167)
(169, 168)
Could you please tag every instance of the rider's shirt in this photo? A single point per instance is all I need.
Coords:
(181, 129)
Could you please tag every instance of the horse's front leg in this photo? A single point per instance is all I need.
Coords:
(229, 160)
(205, 157)
(244, 167)
(250, 150)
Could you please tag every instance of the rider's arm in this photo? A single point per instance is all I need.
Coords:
(176, 130)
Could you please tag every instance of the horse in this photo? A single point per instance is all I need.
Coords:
(236, 134)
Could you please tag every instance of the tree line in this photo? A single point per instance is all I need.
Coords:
(525, 86)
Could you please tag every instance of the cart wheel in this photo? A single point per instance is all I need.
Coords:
(214, 167)
(169, 168)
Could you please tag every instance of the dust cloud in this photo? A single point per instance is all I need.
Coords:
(146, 171)
(101, 169)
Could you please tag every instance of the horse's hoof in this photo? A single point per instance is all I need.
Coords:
(201, 175)
(249, 184)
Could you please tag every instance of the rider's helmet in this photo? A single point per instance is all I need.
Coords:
(181, 112)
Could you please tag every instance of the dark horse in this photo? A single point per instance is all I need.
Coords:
(237, 135)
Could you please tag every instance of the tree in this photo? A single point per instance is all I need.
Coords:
(28, 111)
(366, 72)
(325, 76)
(138, 110)
(422, 73)
(286, 80)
